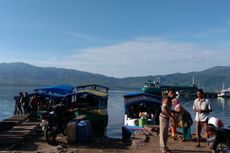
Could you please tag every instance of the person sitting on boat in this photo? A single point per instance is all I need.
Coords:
(143, 111)
(132, 112)
(143, 115)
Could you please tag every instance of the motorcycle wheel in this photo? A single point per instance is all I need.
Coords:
(50, 135)
(219, 148)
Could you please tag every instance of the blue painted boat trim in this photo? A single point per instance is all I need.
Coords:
(58, 90)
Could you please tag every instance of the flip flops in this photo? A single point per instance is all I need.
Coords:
(167, 151)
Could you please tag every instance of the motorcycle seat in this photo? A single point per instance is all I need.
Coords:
(226, 130)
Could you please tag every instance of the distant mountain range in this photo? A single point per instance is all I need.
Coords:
(22, 74)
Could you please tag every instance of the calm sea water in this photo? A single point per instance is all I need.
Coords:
(221, 108)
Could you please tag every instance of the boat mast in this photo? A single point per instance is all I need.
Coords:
(193, 80)
(223, 86)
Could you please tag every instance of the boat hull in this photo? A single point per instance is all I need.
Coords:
(98, 122)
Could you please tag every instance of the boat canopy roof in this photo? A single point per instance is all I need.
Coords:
(56, 90)
(143, 95)
(140, 97)
(94, 92)
(51, 95)
(93, 87)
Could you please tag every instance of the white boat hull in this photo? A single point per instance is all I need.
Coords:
(224, 93)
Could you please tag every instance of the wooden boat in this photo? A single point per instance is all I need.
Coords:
(140, 109)
(92, 101)
(225, 93)
(152, 87)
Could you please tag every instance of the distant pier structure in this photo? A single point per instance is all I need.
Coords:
(210, 94)
(182, 91)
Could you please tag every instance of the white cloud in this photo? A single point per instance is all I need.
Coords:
(142, 57)
(85, 37)
(79, 35)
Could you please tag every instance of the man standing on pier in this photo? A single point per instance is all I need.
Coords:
(164, 117)
(202, 107)
(166, 114)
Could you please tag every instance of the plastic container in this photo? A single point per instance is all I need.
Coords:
(150, 121)
(76, 113)
(142, 122)
(132, 122)
(125, 119)
(71, 132)
(83, 131)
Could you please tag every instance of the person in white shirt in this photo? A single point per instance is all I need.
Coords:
(202, 107)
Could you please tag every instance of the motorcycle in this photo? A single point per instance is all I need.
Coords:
(55, 122)
(219, 137)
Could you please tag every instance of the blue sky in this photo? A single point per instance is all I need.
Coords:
(119, 38)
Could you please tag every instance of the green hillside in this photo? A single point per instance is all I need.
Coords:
(19, 74)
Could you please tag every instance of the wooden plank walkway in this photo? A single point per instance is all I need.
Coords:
(18, 133)
(8, 123)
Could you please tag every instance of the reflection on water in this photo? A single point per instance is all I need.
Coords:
(221, 108)
(116, 113)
